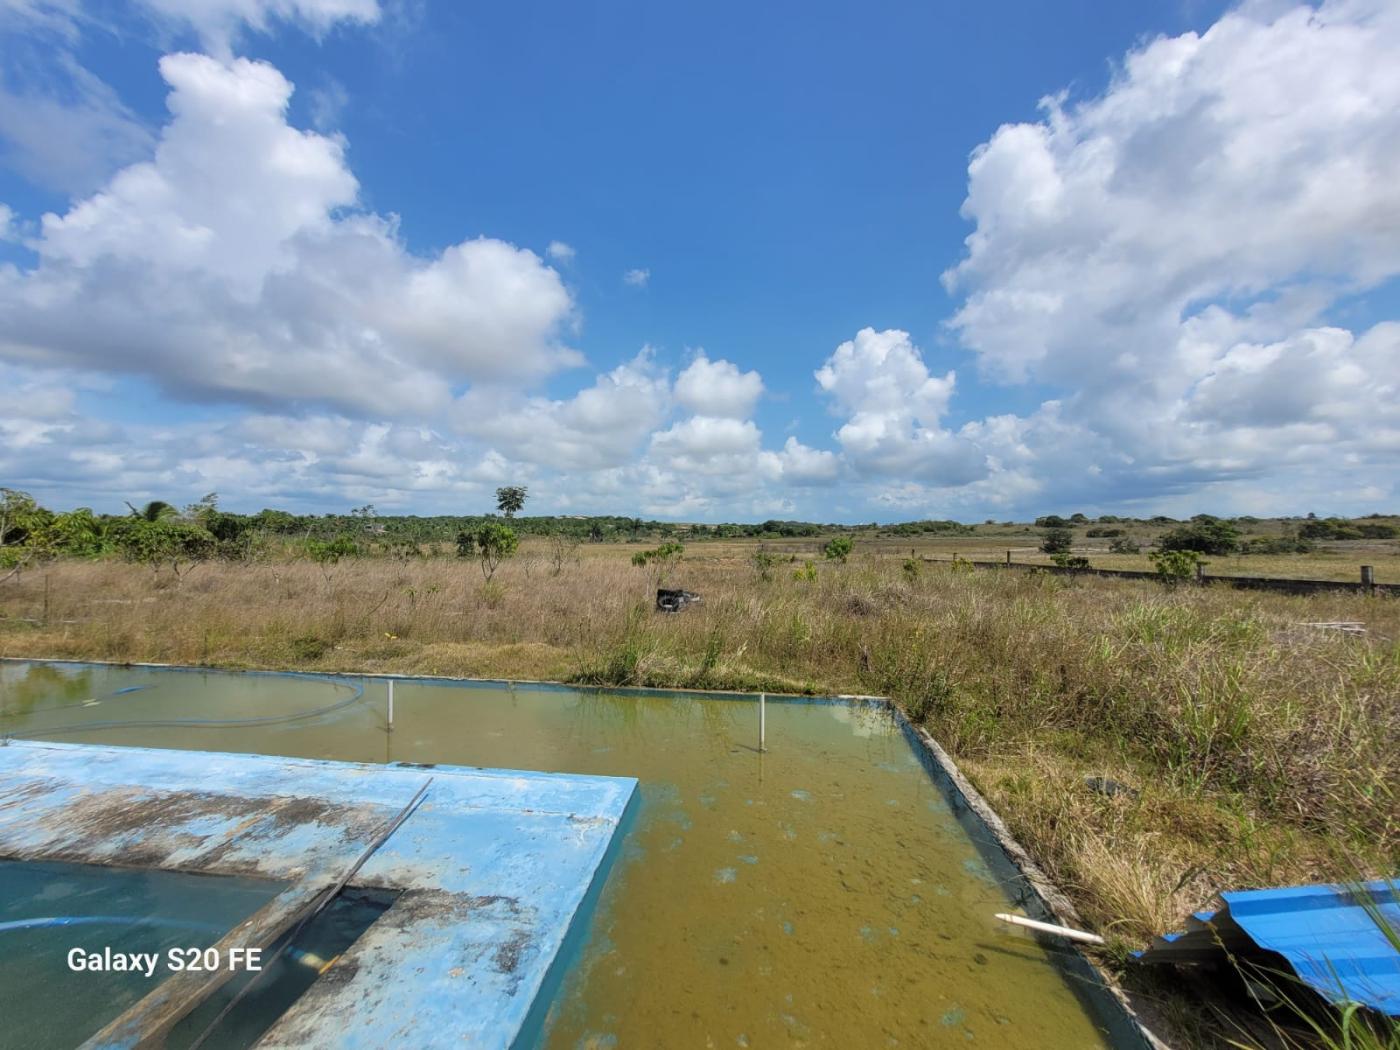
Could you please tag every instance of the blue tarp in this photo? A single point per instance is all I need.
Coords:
(1332, 937)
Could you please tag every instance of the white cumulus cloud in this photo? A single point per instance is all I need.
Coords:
(235, 264)
(893, 405)
(718, 388)
(1165, 254)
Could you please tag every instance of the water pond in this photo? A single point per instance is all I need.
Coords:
(822, 894)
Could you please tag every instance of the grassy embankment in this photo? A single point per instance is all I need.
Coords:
(1265, 752)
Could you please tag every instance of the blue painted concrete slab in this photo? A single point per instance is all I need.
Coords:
(1329, 935)
(493, 870)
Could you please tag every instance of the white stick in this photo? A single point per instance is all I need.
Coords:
(762, 719)
(1047, 927)
(391, 704)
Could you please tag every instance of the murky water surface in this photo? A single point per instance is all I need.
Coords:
(822, 894)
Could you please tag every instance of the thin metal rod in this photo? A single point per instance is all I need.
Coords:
(391, 705)
(762, 720)
(320, 906)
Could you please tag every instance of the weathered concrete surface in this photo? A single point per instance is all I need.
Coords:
(492, 868)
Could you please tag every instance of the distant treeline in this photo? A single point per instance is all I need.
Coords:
(159, 533)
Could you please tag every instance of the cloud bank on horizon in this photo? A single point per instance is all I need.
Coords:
(1172, 258)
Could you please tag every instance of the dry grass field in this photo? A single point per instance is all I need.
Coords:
(1264, 752)
(1331, 560)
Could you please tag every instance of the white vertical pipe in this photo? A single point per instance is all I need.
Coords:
(762, 719)
(391, 704)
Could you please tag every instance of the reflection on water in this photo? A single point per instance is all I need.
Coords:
(821, 894)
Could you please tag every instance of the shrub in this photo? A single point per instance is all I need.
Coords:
(663, 559)
(1276, 545)
(165, 542)
(1103, 533)
(1204, 535)
(806, 573)
(494, 543)
(309, 647)
(1124, 545)
(763, 560)
(563, 549)
(1070, 561)
(1173, 566)
(838, 548)
(329, 552)
(911, 569)
(1342, 529)
(1051, 521)
(1056, 540)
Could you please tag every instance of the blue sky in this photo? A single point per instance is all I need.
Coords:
(1181, 285)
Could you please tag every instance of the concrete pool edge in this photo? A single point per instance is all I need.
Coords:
(1096, 988)
(437, 679)
(1042, 898)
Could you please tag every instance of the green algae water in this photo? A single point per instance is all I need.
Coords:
(822, 894)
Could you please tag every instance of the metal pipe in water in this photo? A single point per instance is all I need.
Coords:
(762, 720)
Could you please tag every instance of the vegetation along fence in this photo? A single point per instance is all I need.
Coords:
(1365, 585)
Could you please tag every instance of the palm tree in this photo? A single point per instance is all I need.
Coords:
(156, 510)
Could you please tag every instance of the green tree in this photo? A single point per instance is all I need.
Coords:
(207, 505)
(1056, 540)
(1204, 535)
(510, 499)
(494, 543)
(164, 541)
(78, 533)
(23, 524)
(154, 511)
(838, 548)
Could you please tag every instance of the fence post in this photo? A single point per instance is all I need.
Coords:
(1368, 579)
(1200, 572)
(762, 722)
(1008, 559)
(391, 705)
